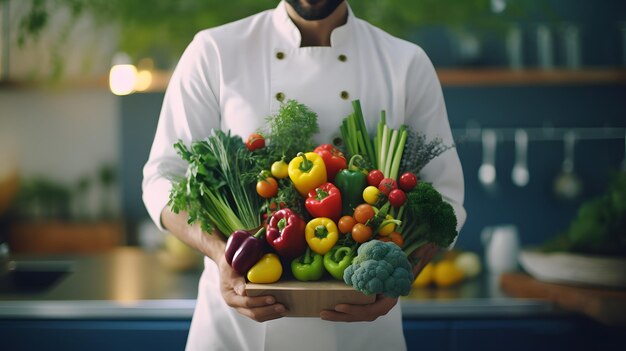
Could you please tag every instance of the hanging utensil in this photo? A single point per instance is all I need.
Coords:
(520, 175)
(624, 160)
(487, 171)
(568, 185)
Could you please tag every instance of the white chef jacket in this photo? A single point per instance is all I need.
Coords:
(232, 77)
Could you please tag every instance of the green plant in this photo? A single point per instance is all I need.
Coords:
(162, 29)
(600, 225)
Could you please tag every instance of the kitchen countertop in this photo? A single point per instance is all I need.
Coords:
(130, 283)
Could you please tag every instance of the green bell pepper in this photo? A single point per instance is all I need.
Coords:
(308, 266)
(338, 259)
(351, 183)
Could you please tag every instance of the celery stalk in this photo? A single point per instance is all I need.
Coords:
(379, 137)
(390, 153)
(395, 166)
(383, 148)
(368, 149)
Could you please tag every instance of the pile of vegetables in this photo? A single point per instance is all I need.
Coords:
(315, 211)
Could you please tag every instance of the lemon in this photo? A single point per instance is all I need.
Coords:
(446, 274)
(425, 277)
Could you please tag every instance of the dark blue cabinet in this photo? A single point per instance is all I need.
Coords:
(95, 335)
(527, 334)
(532, 334)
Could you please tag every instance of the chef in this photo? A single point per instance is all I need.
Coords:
(231, 77)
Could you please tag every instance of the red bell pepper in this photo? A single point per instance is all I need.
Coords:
(324, 201)
(334, 160)
(285, 233)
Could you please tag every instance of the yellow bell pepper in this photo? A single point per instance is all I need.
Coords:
(321, 234)
(267, 270)
(307, 172)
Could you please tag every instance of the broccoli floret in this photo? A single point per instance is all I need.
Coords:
(380, 268)
(429, 219)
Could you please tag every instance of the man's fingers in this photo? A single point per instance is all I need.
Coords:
(353, 313)
(237, 301)
(266, 313)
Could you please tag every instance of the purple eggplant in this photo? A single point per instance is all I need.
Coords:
(246, 250)
(234, 242)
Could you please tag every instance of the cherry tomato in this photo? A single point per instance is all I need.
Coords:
(345, 224)
(255, 141)
(387, 185)
(374, 177)
(397, 238)
(363, 213)
(397, 198)
(280, 169)
(267, 188)
(407, 181)
(370, 194)
(361, 233)
(387, 228)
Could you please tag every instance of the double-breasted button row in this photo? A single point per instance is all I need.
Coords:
(281, 55)
(280, 96)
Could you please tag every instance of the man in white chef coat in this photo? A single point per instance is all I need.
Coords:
(232, 77)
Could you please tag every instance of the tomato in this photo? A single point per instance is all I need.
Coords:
(387, 185)
(387, 228)
(255, 141)
(370, 194)
(280, 169)
(345, 224)
(397, 198)
(361, 233)
(363, 213)
(407, 181)
(374, 177)
(267, 188)
(397, 238)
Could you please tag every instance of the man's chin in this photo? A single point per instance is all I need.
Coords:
(314, 10)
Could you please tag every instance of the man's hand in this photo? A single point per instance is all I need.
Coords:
(258, 308)
(360, 313)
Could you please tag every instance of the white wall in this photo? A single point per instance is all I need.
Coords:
(62, 135)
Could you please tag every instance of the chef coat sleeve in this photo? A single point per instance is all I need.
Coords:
(190, 110)
(427, 113)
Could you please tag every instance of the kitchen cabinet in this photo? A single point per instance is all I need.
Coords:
(94, 335)
(563, 333)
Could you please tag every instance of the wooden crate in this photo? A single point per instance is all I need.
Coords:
(65, 237)
(308, 299)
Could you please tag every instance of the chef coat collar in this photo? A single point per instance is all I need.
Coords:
(291, 34)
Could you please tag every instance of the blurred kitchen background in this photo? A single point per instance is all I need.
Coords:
(535, 91)
(549, 72)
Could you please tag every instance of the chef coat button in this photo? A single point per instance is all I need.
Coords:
(280, 97)
(280, 55)
(343, 58)
(345, 95)
(338, 141)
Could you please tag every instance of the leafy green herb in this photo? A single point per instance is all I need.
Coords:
(291, 130)
(213, 191)
(418, 152)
